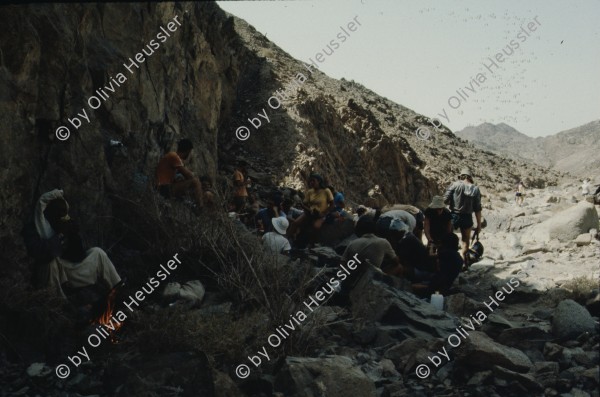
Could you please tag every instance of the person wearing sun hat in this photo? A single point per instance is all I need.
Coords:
(275, 241)
(464, 199)
(438, 221)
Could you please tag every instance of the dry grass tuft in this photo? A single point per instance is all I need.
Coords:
(581, 288)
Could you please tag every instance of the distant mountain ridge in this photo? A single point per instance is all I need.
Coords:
(576, 150)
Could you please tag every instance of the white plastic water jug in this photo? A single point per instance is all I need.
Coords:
(437, 300)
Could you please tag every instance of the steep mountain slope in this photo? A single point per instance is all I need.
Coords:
(496, 137)
(576, 151)
(355, 137)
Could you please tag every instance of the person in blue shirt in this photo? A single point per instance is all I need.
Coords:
(273, 210)
(338, 213)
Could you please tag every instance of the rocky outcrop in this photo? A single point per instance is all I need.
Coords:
(482, 352)
(334, 376)
(374, 301)
(571, 320)
(568, 224)
(56, 56)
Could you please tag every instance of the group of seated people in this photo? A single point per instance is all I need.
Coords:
(390, 238)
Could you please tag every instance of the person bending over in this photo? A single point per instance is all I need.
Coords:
(53, 240)
(378, 251)
(414, 211)
(449, 264)
(169, 166)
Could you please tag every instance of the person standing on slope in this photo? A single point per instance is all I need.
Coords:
(464, 199)
(520, 193)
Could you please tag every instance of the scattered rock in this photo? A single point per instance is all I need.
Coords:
(145, 374)
(375, 301)
(481, 352)
(593, 374)
(525, 338)
(568, 224)
(525, 380)
(333, 376)
(496, 324)
(461, 305)
(593, 305)
(224, 385)
(36, 370)
(583, 239)
(527, 250)
(575, 392)
(485, 263)
(480, 378)
(543, 314)
(546, 373)
(571, 320)
(400, 353)
(575, 356)
(552, 351)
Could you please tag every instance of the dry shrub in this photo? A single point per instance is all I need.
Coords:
(580, 288)
(178, 329)
(265, 289)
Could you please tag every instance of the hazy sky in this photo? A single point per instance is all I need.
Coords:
(419, 53)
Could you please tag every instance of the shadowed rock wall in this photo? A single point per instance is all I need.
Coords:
(54, 57)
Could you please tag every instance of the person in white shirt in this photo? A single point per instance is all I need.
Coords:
(585, 188)
(275, 241)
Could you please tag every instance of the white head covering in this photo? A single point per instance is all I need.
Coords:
(41, 223)
(397, 224)
(280, 224)
(437, 202)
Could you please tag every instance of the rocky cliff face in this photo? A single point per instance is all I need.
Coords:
(55, 57)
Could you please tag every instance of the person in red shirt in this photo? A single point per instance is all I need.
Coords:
(168, 167)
